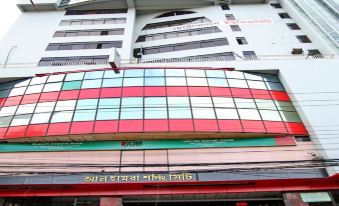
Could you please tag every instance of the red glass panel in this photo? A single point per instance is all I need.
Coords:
(106, 126)
(285, 141)
(296, 128)
(16, 132)
(30, 98)
(253, 126)
(110, 92)
(132, 91)
(49, 97)
(241, 93)
(177, 91)
(156, 125)
(181, 125)
(206, 125)
(281, 96)
(131, 126)
(199, 91)
(89, 93)
(230, 126)
(82, 128)
(2, 101)
(37, 130)
(275, 127)
(67, 95)
(222, 92)
(260, 94)
(155, 91)
(59, 128)
(3, 132)
(10, 101)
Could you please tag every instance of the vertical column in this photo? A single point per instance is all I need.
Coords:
(127, 46)
(111, 201)
(293, 199)
(2, 201)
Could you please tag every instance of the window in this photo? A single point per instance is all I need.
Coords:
(85, 45)
(284, 15)
(62, 61)
(276, 5)
(180, 47)
(302, 139)
(303, 39)
(223, 113)
(93, 21)
(293, 26)
(225, 7)
(315, 53)
(88, 33)
(249, 55)
(72, 85)
(176, 34)
(235, 28)
(229, 16)
(63, 116)
(176, 23)
(241, 40)
(99, 11)
(174, 13)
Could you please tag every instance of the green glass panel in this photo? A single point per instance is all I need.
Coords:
(71, 85)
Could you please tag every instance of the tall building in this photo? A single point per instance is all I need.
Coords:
(170, 102)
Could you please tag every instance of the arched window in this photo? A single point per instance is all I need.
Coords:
(174, 13)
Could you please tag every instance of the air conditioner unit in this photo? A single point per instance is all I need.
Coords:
(297, 51)
(114, 58)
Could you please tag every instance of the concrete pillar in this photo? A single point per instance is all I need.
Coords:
(2, 201)
(111, 201)
(293, 199)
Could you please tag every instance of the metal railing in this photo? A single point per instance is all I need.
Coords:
(228, 58)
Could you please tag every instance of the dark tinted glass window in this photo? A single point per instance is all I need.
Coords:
(284, 15)
(303, 39)
(293, 26)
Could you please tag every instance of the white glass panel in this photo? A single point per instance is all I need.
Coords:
(237, 83)
(234, 74)
(109, 103)
(108, 114)
(25, 109)
(223, 102)
(111, 74)
(179, 113)
(34, 89)
(154, 72)
(38, 80)
(265, 104)
(21, 120)
(270, 115)
(226, 113)
(17, 91)
(195, 73)
(44, 107)
(203, 113)
(214, 82)
(215, 73)
(94, 75)
(178, 102)
(133, 82)
(96, 83)
(201, 102)
(7, 111)
(41, 118)
(155, 113)
(22, 83)
(56, 78)
(253, 76)
(256, 85)
(155, 81)
(197, 82)
(112, 82)
(175, 72)
(64, 116)
(131, 113)
(65, 105)
(155, 102)
(52, 87)
(244, 103)
(75, 76)
(175, 81)
(134, 73)
(132, 102)
(249, 114)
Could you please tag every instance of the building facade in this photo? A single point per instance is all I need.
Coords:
(170, 102)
